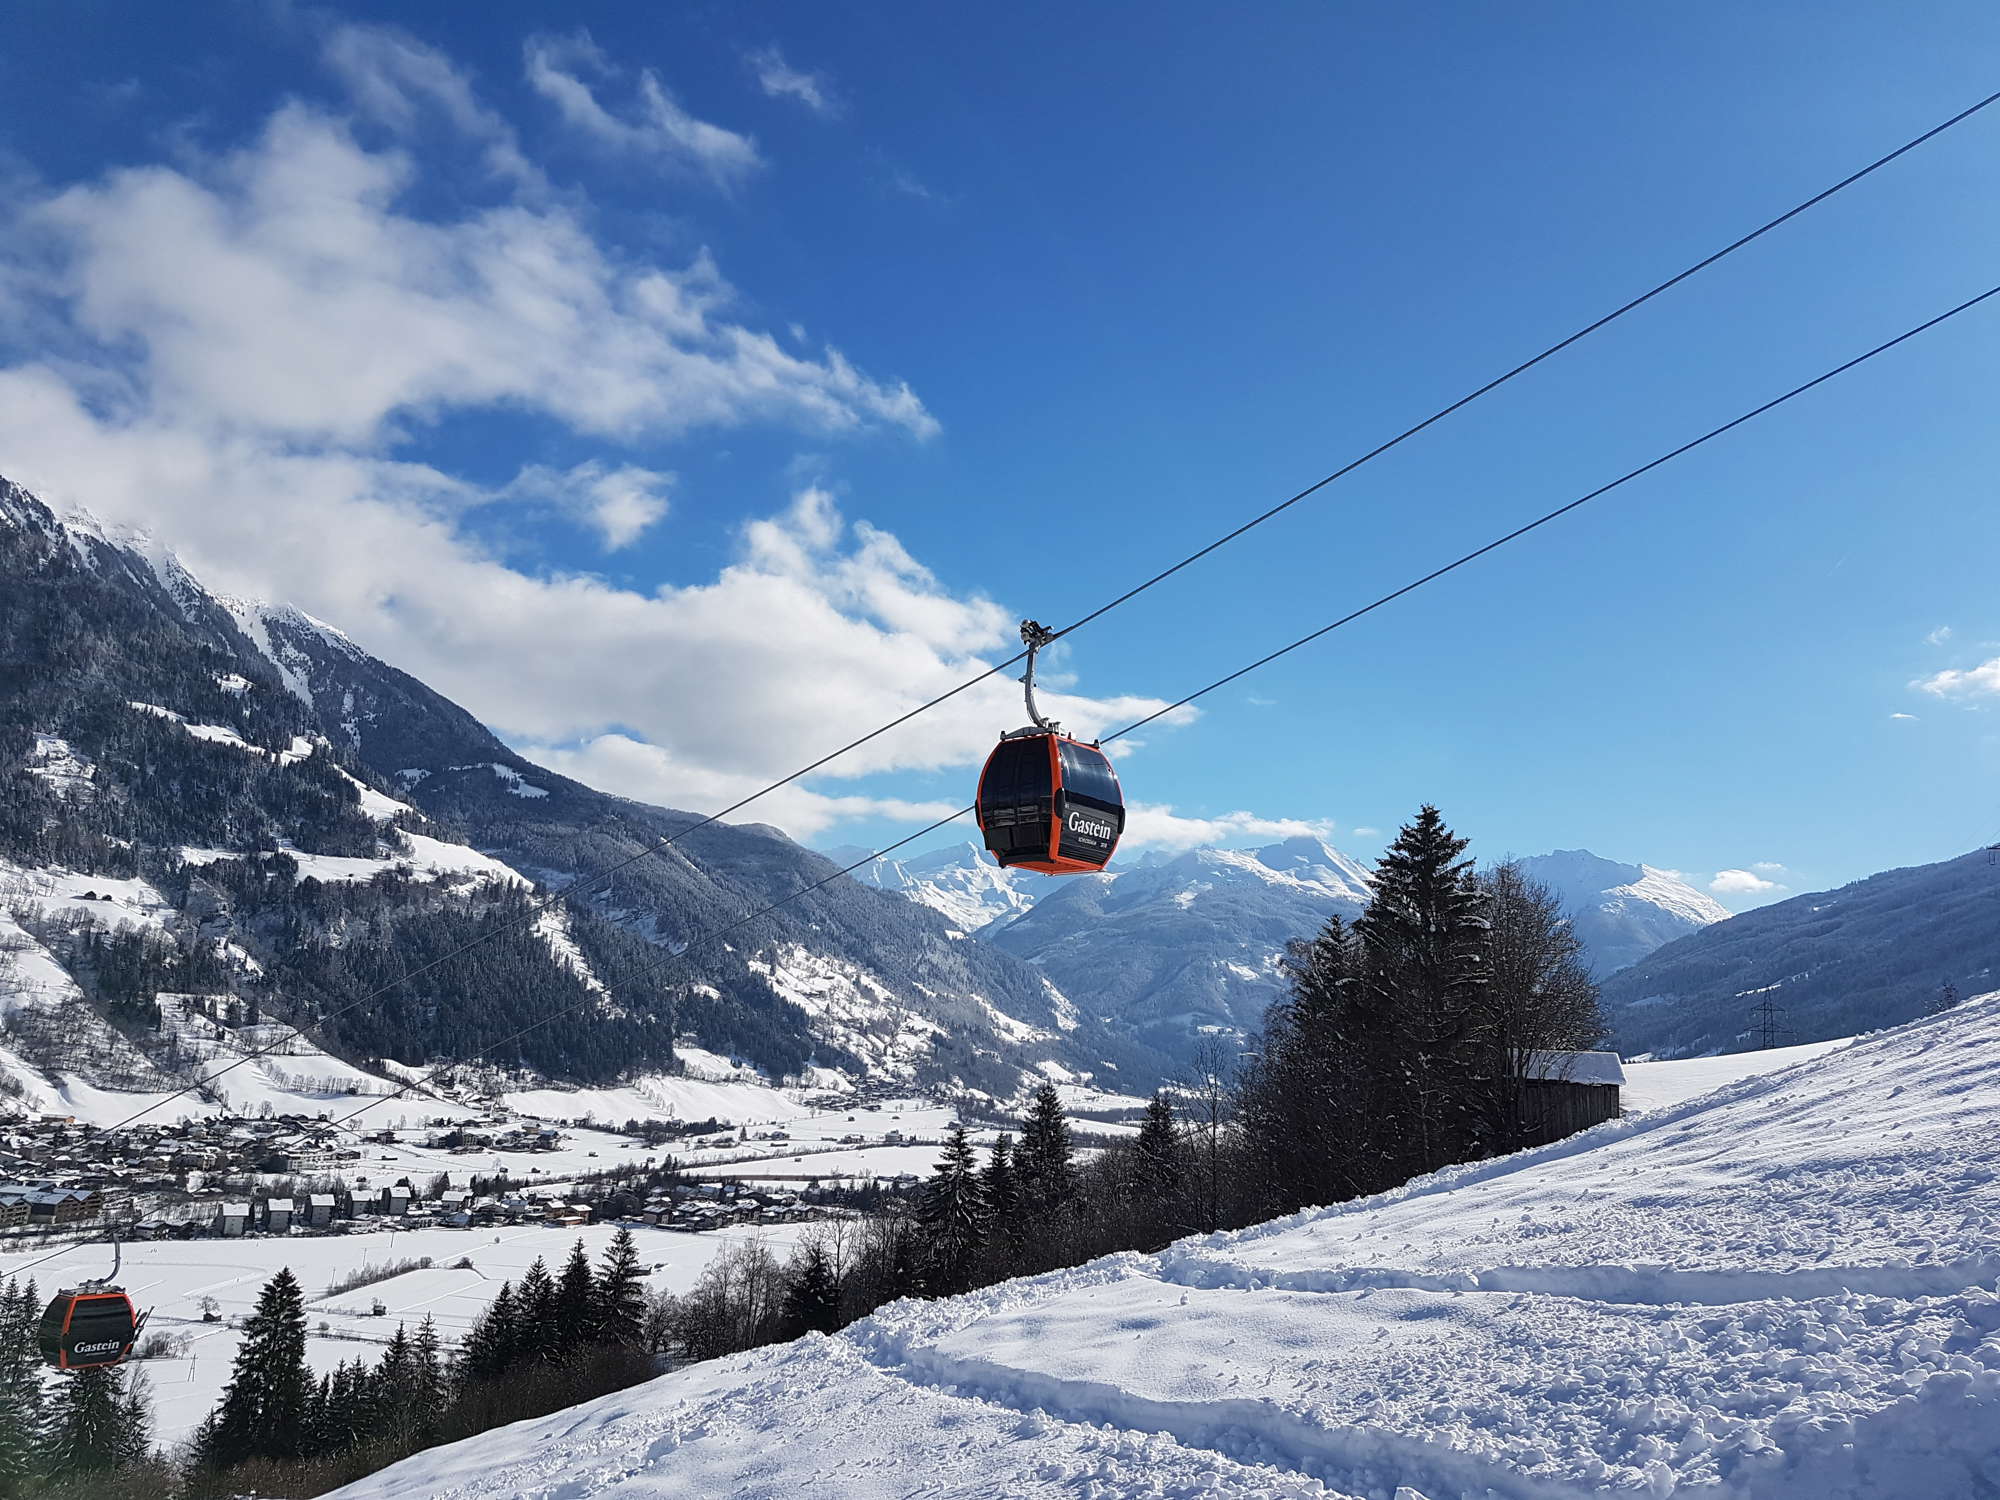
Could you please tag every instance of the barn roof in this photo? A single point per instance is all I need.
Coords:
(1576, 1067)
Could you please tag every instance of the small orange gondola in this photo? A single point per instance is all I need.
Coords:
(88, 1328)
(1047, 800)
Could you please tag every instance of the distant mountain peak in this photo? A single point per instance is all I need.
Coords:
(1621, 911)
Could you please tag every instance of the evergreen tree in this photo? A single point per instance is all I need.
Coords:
(1423, 973)
(492, 1343)
(264, 1409)
(21, 1404)
(1003, 1193)
(84, 1423)
(427, 1381)
(391, 1389)
(576, 1304)
(1156, 1165)
(620, 1315)
(954, 1214)
(1044, 1167)
(1328, 1076)
(812, 1298)
(135, 1421)
(537, 1340)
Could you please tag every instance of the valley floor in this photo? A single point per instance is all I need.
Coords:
(1785, 1287)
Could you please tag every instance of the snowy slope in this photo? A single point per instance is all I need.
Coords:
(1621, 912)
(1782, 1289)
(1661, 1085)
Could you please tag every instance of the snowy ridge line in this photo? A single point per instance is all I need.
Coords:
(1638, 1285)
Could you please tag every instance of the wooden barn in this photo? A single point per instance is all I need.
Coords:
(1564, 1092)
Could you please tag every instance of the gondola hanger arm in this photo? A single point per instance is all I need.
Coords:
(1035, 635)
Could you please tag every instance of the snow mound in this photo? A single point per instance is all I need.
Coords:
(1786, 1287)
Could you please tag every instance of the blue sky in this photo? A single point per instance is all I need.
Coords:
(685, 389)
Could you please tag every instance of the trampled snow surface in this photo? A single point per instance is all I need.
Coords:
(1785, 1288)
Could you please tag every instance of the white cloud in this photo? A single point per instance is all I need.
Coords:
(394, 78)
(288, 294)
(240, 352)
(1159, 826)
(1367, 833)
(781, 80)
(620, 503)
(1769, 867)
(654, 125)
(1741, 883)
(1939, 636)
(1971, 682)
(1902, 716)
(633, 768)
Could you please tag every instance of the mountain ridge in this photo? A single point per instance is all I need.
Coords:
(296, 734)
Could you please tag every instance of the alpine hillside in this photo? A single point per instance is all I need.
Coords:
(282, 818)
(1874, 953)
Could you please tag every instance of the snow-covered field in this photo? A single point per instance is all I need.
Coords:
(1785, 1288)
(170, 1278)
(1659, 1085)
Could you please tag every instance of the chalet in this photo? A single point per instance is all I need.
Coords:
(231, 1220)
(1564, 1092)
(277, 1217)
(319, 1210)
(395, 1201)
(14, 1213)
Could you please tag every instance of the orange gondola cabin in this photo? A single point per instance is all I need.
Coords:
(1050, 803)
(88, 1329)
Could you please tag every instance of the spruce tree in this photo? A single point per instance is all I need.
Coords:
(1047, 1177)
(812, 1297)
(135, 1421)
(264, 1409)
(576, 1304)
(84, 1423)
(1003, 1187)
(954, 1214)
(1326, 1073)
(537, 1341)
(1423, 971)
(391, 1389)
(427, 1381)
(22, 1409)
(1156, 1154)
(492, 1343)
(620, 1315)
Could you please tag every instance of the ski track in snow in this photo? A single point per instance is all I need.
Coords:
(1787, 1287)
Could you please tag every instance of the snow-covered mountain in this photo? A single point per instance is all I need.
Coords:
(960, 882)
(1784, 1288)
(1621, 912)
(1168, 949)
(330, 822)
(1870, 954)
(1165, 945)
